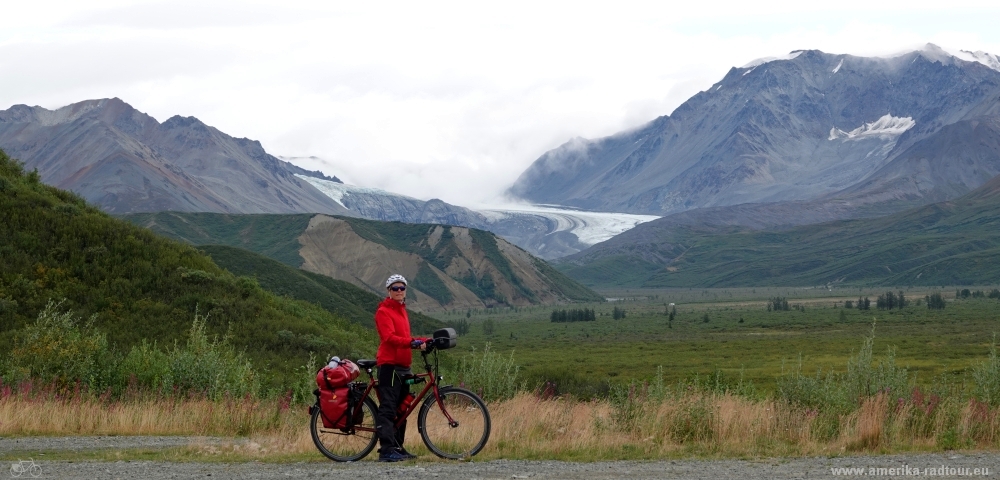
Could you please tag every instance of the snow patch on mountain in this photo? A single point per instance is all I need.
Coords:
(337, 191)
(988, 59)
(841, 64)
(947, 56)
(760, 61)
(887, 126)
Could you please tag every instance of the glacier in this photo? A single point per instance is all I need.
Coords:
(885, 127)
(589, 227)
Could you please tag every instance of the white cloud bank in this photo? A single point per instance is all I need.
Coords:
(450, 100)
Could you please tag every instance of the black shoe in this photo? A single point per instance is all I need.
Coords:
(391, 455)
(402, 451)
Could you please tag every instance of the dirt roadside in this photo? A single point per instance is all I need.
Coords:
(938, 465)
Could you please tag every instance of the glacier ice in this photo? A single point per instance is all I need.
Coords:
(884, 127)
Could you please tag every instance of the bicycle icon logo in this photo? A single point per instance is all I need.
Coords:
(29, 467)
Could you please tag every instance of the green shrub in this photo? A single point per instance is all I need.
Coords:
(693, 421)
(986, 376)
(841, 393)
(629, 404)
(56, 349)
(821, 392)
(491, 375)
(211, 366)
(866, 378)
(146, 366)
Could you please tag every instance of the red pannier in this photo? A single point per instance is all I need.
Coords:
(333, 405)
(333, 392)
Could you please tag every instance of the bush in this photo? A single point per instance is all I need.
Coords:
(489, 374)
(210, 366)
(821, 391)
(57, 349)
(864, 378)
(986, 378)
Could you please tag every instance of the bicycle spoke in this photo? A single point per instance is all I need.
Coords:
(345, 446)
(461, 439)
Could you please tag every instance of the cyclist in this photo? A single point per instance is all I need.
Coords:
(393, 360)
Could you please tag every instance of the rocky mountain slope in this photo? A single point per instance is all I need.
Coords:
(125, 161)
(844, 131)
(448, 267)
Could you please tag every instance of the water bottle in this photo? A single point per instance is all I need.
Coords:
(405, 403)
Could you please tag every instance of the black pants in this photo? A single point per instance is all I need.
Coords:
(391, 391)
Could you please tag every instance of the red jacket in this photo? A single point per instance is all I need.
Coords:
(393, 325)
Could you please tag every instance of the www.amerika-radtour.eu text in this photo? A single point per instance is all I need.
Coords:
(906, 471)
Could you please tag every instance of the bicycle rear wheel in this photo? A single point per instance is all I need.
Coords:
(345, 446)
(462, 439)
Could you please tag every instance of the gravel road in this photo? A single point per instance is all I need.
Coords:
(956, 464)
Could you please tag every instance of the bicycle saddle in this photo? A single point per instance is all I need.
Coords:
(366, 364)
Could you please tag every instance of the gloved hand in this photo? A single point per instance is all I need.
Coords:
(416, 343)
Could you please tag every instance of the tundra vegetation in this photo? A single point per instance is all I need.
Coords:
(817, 379)
(110, 330)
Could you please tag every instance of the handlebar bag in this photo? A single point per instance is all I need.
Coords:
(445, 338)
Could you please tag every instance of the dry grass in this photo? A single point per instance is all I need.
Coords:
(528, 428)
(94, 416)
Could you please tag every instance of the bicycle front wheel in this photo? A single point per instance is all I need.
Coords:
(345, 445)
(465, 434)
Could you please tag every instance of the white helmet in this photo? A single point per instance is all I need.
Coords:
(395, 278)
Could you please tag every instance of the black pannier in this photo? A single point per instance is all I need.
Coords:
(445, 338)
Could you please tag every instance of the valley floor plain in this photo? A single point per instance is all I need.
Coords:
(717, 337)
(732, 333)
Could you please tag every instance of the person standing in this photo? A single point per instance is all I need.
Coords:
(393, 360)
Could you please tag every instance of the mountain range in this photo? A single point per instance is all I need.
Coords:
(806, 138)
(125, 161)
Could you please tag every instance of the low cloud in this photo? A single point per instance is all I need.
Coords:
(449, 101)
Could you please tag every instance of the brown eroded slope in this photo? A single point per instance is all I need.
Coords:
(331, 247)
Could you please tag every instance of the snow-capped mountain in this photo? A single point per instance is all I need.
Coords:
(805, 127)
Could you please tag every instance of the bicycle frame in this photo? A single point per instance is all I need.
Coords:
(431, 381)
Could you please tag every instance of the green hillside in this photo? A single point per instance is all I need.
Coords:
(277, 237)
(140, 286)
(274, 236)
(949, 243)
(336, 296)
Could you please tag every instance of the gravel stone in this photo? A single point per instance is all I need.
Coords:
(780, 468)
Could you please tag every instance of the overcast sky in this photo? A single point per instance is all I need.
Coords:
(451, 100)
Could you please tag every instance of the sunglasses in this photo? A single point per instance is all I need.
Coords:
(398, 289)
